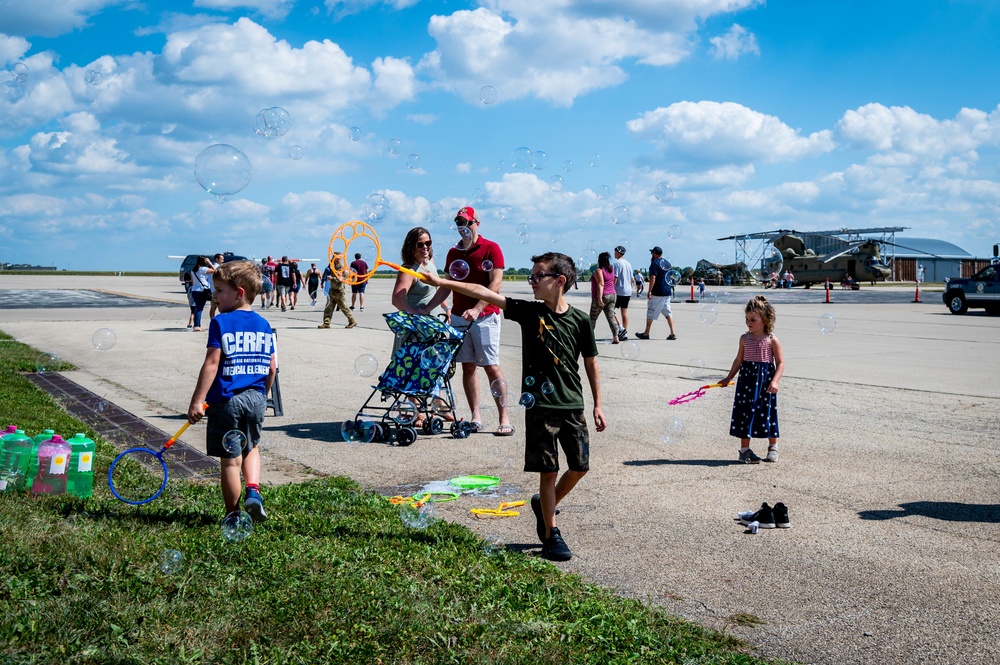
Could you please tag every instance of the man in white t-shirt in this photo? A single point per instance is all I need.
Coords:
(624, 283)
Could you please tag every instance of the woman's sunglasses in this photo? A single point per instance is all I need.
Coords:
(421, 245)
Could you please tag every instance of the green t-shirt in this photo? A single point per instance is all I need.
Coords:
(551, 345)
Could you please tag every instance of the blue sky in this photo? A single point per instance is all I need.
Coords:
(762, 115)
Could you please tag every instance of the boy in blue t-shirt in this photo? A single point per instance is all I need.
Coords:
(553, 336)
(238, 371)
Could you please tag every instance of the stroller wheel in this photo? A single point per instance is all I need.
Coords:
(436, 425)
(458, 431)
(405, 436)
(381, 433)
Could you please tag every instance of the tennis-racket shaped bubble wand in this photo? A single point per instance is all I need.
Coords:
(694, 394)
(134, 477)
(342, 238)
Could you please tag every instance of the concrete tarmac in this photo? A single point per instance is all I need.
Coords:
(888, 450)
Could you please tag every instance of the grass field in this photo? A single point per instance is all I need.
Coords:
(334, 576)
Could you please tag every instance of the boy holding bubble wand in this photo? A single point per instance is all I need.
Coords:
(235, 377)
(553, 336)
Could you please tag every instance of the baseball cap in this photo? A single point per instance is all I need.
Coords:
(656, 250)
(620, 249)
(467, 213)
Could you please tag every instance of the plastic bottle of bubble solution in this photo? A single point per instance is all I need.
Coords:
(53, 465)
(33, 465)
(15, 456)
(80, 481)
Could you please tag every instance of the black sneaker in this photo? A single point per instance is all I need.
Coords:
(555, 548)
(749, 457)
(781, 516)
(764, 517)
(536, 507)
(641, 336)
(671, 336)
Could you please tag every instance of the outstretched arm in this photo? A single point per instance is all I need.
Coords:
(472, 290)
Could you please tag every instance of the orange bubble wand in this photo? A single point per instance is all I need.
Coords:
(343, 237)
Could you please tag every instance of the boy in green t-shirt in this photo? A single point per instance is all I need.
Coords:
(553, 336)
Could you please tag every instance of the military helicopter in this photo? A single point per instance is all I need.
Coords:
(860, 259)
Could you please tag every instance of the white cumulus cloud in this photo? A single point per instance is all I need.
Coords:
(735, 43)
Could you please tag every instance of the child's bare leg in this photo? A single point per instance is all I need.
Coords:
(229, 480)
(744, 443)
(251, 467)
(551, 493)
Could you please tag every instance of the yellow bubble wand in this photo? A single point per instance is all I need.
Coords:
(342, 238)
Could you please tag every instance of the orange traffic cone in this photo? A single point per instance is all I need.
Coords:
(916, 298)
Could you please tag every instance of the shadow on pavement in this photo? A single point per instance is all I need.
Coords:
(948, 511)
(679, 462)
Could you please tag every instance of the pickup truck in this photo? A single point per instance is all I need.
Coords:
(980, 290)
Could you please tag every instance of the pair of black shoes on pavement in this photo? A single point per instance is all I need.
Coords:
(554, 548)
(768, 517)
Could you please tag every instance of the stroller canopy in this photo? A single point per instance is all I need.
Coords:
(418, 327)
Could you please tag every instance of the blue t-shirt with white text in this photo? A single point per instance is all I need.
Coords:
(247, 343)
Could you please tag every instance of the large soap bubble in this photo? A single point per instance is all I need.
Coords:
(674, 231)
(103, 339)
(93, 78)
(295, 152)
(272, 123)
(458, 270)
(354, 133)
(556, 183)
(366, 365)
(521, 159)
(171, 561)
(663, 191)
(20, 72)
(773, 262)
(487, 94)
(376, 208)
(237, 526)
(222, 170)
(540, 159)
(620, 215)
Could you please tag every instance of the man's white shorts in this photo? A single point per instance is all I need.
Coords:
(482, 340)
(656, 306)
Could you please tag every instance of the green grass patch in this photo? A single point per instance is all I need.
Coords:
(334, 577)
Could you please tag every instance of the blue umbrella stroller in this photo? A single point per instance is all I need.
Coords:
(416, 381)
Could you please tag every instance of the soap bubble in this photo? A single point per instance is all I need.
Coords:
(357, 431)
(295, 152)
(376, 208)
(522, 228)
(102, 406)
(526, 401)
(709, 313)
(603, 192)
(417, 517)
(555, 183)
(567, 166)
(674, 277)
(529, 381)
(103, 339)
(521, 159)
(413, 161)
(539, 160)
(672, 432)
(234, 441)
(222, 170)
(487, 94)
(366, 365)
(523, 238)
(773, 262)
(548, 388)
(594, 159)
(487, 265)
(620, 215)
(354, 133)
(237, 526)
(663, 191)
(47, 362)
(630, 350)
(272, 123)
(436, 213)
(664, 264)
(395, 146)
(20, 72)
(674, 231)
(827, 323)
(435, 356)
(458, 270)
(506, 212)
(498, 388)
(171, 561)
(724, 297)
(720, 258)
(696, 368)
(93, 78)
(493, 545)
(403, 412)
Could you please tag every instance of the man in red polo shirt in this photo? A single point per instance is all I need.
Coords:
(476, 260)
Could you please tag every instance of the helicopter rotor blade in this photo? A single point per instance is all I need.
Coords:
(849, 248)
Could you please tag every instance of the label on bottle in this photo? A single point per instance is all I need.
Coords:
(86, 462)
(57, 466)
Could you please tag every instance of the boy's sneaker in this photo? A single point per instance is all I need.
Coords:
(555, 548)
(749, 457)
(772, 455)
(362, 309)
(781, 516)
(622, 334)
(253, 503)
(536, 507)
(671, 336)
(764, 517)
(641, 336)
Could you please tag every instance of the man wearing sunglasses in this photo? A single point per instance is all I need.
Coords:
(476, 260)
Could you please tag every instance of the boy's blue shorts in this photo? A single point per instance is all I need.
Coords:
(244, 412)
(548, 429)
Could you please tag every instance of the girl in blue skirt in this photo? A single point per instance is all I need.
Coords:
(760, 363)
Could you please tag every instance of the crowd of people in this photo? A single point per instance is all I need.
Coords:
(554, 337)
